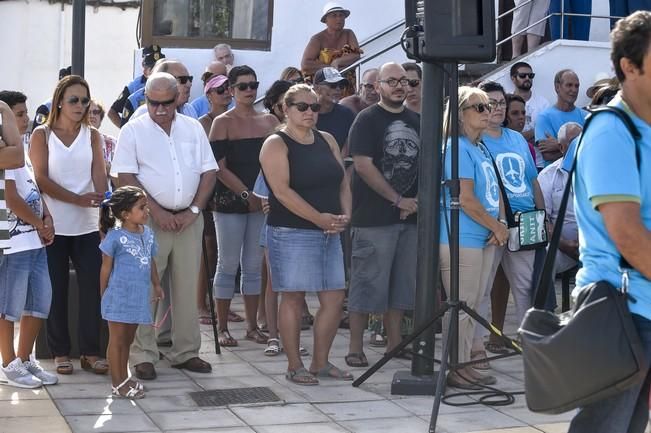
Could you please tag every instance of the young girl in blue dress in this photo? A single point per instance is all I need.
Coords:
(127, 276)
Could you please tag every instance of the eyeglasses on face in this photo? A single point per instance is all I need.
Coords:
(303, 106)
(393, 82)
(96, 112)
(74, 100)
(523, 75)
(155, 103)
(253, 85)
(414, 83)
(495, 104)
(184, 78)
(479, 108)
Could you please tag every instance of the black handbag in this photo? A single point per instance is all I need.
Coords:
(590, 353)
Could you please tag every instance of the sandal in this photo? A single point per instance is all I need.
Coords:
(131, 394)
(273, 347)
(225, 339)
(332, 372)
(205, 319)
(257, 336)
(98, 367)
(496, 348)
(303, 351)
(64, 366)
(377, 340)
(356, 360)
(234, 317)
(477, 355)
(301, 376)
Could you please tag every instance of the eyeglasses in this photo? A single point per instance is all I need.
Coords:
(253, 85)
(414, 83)
(154, 103)
(523, 75)
(500, 104)
(96, 112)
(184, 78)
(221, 89)
(479, 108)
(303, 106)
(74, 100)
(393, 82)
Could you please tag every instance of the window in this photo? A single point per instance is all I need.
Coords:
(243, 24)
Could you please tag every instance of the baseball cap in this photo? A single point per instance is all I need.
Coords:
(151, 54)
(328, 75)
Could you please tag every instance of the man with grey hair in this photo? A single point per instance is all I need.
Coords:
(168, 155)
(223, 53)
(366, 95)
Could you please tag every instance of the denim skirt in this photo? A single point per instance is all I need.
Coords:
(304, 260)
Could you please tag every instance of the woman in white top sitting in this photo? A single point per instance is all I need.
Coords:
(68, 163)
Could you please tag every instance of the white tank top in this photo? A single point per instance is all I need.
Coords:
(70, 168)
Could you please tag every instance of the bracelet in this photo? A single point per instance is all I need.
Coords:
(397, 202)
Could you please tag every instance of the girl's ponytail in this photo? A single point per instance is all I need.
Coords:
(106, 217)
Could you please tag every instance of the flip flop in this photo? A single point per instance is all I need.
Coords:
(356, 359)
(332, 372)
(256, 336)
(234, 317)
(227, 340)
(301, 376)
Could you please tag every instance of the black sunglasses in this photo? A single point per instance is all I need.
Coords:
(73, 100)
(339, 85)
(159, 103)
(253, 85)
(221, 89)
(479, 108)
(303, 106)
(414, 83)
(298, 80)
(523, 75)
(184, 78)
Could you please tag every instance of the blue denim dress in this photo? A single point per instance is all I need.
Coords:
(127, 297)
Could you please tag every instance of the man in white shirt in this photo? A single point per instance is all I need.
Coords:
(552, 182)
(168, 155)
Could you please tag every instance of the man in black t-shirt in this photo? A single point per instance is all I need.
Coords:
(385, 144)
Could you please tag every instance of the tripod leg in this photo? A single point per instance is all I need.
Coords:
(489, 326)
(440, 380)
(211, 300)
(389, 355)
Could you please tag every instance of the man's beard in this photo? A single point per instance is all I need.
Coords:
(525, 86)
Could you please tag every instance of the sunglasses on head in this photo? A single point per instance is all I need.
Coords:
(73, 100)
(523, 75)
(253, 85)
(184, 78)
(479, 108)
(303, 106)
(154, 103)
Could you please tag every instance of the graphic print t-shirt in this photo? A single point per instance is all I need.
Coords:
(393, 141)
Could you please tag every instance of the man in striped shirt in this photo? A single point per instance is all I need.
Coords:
(11, 156)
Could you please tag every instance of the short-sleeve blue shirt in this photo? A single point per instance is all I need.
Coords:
(607, 165)
(516, 166)
(474, 164)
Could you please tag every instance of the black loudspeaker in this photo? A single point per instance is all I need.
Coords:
(460, 31)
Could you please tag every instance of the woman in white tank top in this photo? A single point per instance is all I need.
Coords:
(68, 163)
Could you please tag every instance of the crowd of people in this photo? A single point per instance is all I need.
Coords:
(317, 194)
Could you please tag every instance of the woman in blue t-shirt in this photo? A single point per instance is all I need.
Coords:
(481, 225)
(518, 171)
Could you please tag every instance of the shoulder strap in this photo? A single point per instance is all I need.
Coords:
(546, 277)
(510, 219)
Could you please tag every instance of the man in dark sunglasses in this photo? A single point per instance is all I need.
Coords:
(333, 117)
(366, 95)
(522, 76)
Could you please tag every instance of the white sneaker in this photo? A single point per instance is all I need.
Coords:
(17, 375)
(34, 367)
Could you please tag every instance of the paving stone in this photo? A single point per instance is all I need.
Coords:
(362, 410)
(386, 425)
(97, 406)
(111, 423)
(34, 424)
(27, 408)
(199, 419)
(270, 415)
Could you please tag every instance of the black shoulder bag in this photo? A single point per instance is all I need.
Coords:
(590, 353)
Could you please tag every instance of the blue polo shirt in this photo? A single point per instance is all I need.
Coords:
(551, 120)
(607, 166)
(474, 164)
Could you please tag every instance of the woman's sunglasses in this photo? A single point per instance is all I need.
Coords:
(221, 89)
(73, 100)
(479, 108)
(253, 85)
(303, 106)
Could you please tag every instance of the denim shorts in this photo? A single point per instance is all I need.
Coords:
(304, 260)
(25, 286)
(263, 234)
(383, 268)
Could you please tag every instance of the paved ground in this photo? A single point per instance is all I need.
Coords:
(82, 403)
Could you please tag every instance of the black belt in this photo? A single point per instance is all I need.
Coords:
(174, 212)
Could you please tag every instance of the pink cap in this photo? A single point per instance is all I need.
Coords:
(215, 81)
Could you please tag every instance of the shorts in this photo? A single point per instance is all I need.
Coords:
(25, 287)
(304, 260)
(383, 268)
(263, 234)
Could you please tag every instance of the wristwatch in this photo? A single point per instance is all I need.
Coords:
(195, 209)
(244, 195)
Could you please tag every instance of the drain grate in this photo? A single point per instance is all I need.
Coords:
(223, 397)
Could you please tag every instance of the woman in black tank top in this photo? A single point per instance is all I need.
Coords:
(310, 205)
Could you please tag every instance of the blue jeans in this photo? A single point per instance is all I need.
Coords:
(25, 287)
(627, 412)
(580, 25)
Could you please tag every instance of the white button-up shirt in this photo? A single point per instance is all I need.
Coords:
(552, 181)
(169, 167)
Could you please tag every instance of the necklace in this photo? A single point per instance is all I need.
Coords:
(309, 139)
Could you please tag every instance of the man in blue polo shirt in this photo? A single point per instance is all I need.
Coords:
(612, 190)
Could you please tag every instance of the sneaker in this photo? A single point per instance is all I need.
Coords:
(17, 375)
(34, 367)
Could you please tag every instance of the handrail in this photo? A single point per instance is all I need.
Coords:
(386, 31)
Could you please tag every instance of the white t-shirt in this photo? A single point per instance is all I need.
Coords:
(24, 236)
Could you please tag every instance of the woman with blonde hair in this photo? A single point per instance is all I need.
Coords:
(481, 224)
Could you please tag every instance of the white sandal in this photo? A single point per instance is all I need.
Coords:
(273, 347)
(132, 394)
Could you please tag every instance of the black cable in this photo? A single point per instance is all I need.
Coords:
(490, 396)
